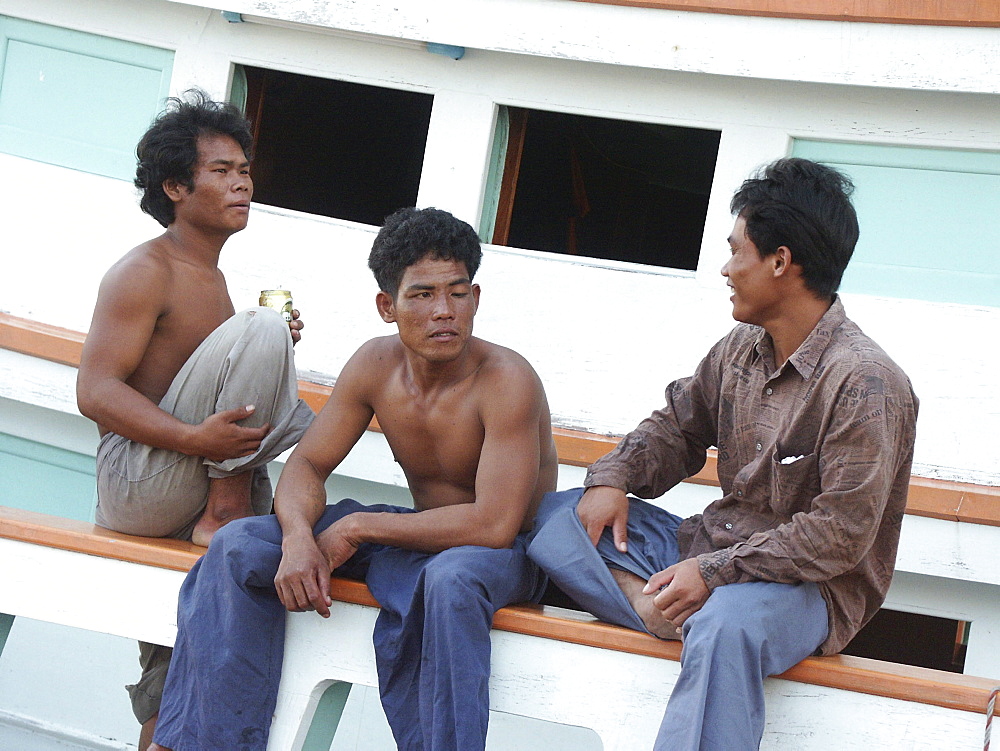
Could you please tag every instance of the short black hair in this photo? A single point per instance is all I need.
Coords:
(409, 235)
(169, 148)
(805, 206)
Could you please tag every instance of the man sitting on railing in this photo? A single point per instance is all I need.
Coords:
(469, 424)
(192, 400)
(814, 425)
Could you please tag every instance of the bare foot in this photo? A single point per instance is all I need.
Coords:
(228, 499)
(643, 605)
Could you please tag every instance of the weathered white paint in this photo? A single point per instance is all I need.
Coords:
(908, 56)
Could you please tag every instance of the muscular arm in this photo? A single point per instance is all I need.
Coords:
(129, 304)
(303, 577)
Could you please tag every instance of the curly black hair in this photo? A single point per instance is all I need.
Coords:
(410, 234)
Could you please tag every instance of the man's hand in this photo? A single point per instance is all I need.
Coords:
(303, 578)
(338, 542)
(219, 438)
(683, 591)
(296, 326)
(603, 506)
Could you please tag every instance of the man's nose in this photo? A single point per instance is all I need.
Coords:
(443, 308)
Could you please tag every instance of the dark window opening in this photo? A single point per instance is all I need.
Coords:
(913, 639)
(603, 188)
(334, 148)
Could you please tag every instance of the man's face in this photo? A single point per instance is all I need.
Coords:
(751, 278)
(433, 308)
(222, 189)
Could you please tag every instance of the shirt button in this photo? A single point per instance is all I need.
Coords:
(739, 493)
(760, 447)
(769, 391)
(729, 525)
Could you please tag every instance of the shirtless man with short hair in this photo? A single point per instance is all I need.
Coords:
(469, 424)
(191, 399)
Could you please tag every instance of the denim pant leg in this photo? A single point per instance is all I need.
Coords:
(222, 685)
(432, 638)
(560, 545)
(743, 633)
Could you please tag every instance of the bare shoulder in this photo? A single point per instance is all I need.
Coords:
(506, 376)
(143, 273)
(498, 361)
(373, 362)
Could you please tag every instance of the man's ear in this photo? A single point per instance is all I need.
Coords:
(386, 306)
(475, 295)
(174, 190)
(781, 261)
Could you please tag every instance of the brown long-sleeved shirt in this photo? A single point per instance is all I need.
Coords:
(814, 464)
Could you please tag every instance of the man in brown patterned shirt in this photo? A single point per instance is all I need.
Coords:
(814, 426)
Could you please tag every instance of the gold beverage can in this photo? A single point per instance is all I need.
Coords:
(278, 299)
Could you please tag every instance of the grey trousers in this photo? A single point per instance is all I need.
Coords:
(154, 492)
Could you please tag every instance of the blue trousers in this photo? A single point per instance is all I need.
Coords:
(431, 638)
(742, 634)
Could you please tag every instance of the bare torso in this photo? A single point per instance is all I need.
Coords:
(185, 302)
(437, 437)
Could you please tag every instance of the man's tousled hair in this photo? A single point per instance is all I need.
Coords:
(409, 235)
(169, 148)
(805, 206)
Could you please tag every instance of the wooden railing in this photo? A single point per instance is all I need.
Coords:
(925, 12)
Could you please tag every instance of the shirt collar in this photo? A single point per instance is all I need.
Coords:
(806, 357)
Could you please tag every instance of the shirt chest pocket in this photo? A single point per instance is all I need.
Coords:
(794, 482)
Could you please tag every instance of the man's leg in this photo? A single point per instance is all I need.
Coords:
(603, 580)
(743, 633)
(247, 360)
(432, 638)
(222, 685)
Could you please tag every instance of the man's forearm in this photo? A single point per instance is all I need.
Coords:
(117, 407)
(300, 498)
(433, 530)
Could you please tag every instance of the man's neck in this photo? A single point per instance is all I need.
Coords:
(428, 377)
(797, 321)
(195, 246)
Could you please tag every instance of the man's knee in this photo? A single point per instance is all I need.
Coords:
(729, 617)
(248, 546)
(452, 578)
(268, 326)
(779, 622)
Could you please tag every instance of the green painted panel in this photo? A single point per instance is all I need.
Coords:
(926, 218)
(77, 100)
(42, 478)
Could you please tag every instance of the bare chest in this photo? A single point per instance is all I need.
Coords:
(435, 443)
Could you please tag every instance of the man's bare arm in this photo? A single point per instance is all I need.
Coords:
(303, 578)
(128, 305)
